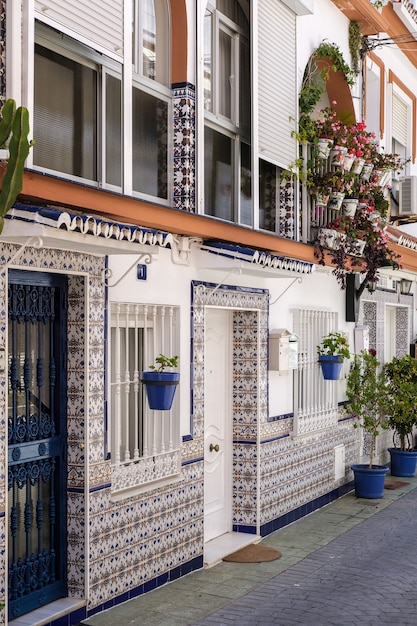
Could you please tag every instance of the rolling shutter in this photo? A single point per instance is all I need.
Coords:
(399, 120)
(277, 82)
(100, 22)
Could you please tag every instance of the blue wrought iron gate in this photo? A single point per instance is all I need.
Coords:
(36, 439)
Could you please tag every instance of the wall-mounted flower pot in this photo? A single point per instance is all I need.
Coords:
(357, 247)
(322, 199)
(348, 161)
(366, 171)
(337, 156)
(331, 366)
(349, 206)
(335, 200)
(323, 147)
(369, 482)
(403, 463)
(160, 389)
(357, 166)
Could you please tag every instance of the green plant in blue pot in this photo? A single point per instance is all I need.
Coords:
(402, 383)
(332, 351)
(161, 385)
(369, 405)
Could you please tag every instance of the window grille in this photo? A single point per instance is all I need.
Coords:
(144, 443)
(315, 399)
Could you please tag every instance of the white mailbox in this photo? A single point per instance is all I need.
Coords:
(361, 338)
(283, 350)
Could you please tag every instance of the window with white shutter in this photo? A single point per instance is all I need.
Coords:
(277, 89)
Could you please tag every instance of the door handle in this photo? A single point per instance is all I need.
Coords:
(215, 448)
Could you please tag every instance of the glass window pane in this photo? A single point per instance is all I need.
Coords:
(113, 130)
(150, 149)
(245, 185)
(225, 75)
(267, 196)
(208, 104)
(218, 185)
(244, 87)
(65, 115)
(148, 38)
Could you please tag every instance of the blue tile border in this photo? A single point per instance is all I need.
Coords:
(150, 585)
(71, 619)
(305, 509)
(296, 514)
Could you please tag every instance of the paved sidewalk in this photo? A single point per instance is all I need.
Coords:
(352, 563)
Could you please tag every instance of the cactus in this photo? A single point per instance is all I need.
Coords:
(8, 112)
(19, 146)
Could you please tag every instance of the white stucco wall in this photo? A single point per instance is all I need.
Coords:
(168, 283)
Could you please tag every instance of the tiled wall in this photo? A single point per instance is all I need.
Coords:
(184, 147)
(292, 471)
(84, 381)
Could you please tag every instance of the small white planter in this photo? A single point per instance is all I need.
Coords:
(348, 161)
(335, 201)
(357, 166)
(337, 156)
(329, 238)
(321, 199)
(357, 247)
(366, 171)
(323, 147)
(349, 206)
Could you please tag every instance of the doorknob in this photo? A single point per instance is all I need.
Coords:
(215, 448)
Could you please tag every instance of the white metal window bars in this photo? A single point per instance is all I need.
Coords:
(144, 443)
(315, 399)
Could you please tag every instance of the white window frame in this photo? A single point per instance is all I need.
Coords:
(162, 27)
(79, 53)
(397, 93)
(155, 453)
(315, 400)
(229, 127)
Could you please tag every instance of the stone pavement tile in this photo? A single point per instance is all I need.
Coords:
(323, 568)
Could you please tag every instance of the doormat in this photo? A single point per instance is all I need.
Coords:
(394, 484)
(255, 553)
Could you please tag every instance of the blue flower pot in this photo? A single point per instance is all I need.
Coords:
(160, 389)
(369, 483)
(403, 463)
(331, 366)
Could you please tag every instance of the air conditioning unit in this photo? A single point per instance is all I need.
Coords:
(407, 196)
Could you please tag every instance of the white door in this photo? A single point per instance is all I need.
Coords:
(217, 424)
(390, 334)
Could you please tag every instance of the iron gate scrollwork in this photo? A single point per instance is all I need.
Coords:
(36, 440)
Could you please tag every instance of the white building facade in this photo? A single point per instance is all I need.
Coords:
(155, 219)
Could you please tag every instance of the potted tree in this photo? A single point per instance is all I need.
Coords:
(369, 405)
(333, 349)
(161, 385)
(402, 383)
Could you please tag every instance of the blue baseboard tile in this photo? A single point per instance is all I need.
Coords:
(72, 619)
(305, 509)
(239, 528)
(150, 585)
